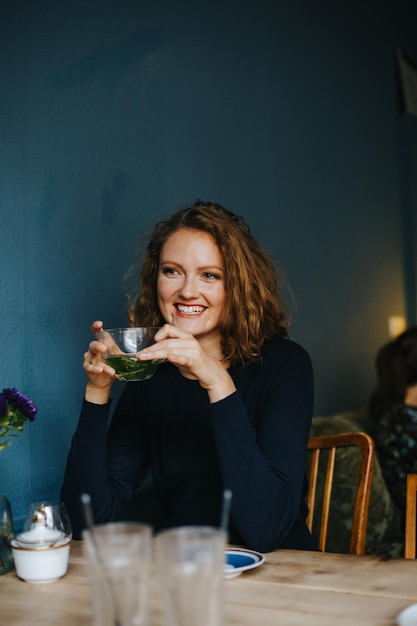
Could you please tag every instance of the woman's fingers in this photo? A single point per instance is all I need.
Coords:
(96, 327)
(169, 331)
(94, 362)
(171, 348)
(97, 347)
(168, 340)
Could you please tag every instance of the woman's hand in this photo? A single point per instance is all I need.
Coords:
(193, 361)
(100, 376)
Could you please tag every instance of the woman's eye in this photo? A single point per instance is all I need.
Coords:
(169, 271)
(211, 276)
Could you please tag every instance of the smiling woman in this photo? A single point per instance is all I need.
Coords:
(190, 286)
(230, 407)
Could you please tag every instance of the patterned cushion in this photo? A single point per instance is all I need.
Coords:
(385, 533)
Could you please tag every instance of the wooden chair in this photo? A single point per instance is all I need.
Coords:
(410, 517)
(331, 443)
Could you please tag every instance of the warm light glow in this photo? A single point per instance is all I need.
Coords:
(396, 325)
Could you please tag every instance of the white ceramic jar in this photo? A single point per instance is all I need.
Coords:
(41, 565)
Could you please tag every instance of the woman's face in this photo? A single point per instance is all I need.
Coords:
(190, 285)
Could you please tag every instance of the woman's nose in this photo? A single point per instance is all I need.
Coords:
(189, 288)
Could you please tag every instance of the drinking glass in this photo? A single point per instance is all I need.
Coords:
(6, 535)
(47, 523)
(118, 557)
(122, 346)
(191, 567)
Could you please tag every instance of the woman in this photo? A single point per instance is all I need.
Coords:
(393, 406)
(230, 408)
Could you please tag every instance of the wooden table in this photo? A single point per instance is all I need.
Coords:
(290, 588)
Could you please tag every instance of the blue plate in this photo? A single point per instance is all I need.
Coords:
(238, 560)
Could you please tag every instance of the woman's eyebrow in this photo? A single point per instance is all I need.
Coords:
(200, 267)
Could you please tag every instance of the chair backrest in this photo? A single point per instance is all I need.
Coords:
(331, 443)
(410, 517)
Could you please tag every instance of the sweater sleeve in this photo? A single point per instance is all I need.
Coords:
(263, 459)
(108, 470)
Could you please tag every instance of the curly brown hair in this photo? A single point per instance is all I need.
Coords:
(255, 308)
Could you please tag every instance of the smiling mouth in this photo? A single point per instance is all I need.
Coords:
(189, 310)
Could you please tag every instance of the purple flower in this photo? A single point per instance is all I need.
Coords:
(15, 409)
(19, 402)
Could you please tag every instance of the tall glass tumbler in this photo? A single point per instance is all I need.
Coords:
(191, 567)
(118, 567)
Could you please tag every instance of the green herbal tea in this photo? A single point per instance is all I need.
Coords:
(129, 368)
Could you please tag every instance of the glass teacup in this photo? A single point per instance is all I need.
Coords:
(122, 346)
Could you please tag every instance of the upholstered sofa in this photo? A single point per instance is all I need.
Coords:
(385, 533)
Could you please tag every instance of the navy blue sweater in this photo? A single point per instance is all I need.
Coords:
(252, 442)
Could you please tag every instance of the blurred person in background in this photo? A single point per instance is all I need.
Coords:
(393, 406)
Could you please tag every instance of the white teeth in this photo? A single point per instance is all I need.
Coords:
(189, 309)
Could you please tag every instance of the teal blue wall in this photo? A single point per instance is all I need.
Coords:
(115, 112)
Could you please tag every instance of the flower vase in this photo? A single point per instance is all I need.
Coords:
(6, 535)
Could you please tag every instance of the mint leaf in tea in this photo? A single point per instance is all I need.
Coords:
(127, 367)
